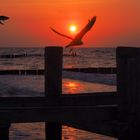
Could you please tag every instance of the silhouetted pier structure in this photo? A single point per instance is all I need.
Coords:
(114, 114)
(100, 70)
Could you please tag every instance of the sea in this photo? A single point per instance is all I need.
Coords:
(73, 83)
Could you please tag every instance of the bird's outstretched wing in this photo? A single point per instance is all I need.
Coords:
(86, 28)
(61, 34)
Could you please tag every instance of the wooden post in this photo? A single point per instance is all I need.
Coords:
(128, 89)
(4, 131)
(53, 86)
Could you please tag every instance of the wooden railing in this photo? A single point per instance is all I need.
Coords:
(114, 114)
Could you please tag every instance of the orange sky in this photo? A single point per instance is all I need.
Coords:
(118, 22)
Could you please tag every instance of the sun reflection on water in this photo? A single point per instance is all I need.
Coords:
(72, 86)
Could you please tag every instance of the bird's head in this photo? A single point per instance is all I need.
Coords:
(3, 18)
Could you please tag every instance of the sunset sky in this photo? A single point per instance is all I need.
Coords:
(117, 24)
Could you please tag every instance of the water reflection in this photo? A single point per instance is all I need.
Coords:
(76, 86)
(70, 133)
(72, 86)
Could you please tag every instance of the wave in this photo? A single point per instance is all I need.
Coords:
(20, 55)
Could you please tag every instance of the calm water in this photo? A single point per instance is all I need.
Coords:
(87, 57)
(72, 83)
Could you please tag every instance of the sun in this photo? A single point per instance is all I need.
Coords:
(73, 28)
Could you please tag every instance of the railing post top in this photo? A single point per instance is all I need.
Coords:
(125, 51)
(53, 47)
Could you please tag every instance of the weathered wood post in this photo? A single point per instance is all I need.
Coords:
(128, 89)
(4, 130)
(53, 86)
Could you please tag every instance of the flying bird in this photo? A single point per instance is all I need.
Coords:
(77, 40)
(3, 18)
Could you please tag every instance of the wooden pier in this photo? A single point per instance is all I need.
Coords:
(113, 114)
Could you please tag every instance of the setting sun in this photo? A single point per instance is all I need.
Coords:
(73, 28)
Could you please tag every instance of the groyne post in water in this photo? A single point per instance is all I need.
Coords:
(53, 86)
(128, 89)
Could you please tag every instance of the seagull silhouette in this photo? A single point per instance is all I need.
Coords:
(3, 18)
(77, 40)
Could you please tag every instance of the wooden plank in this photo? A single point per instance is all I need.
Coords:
(92, 99)
(62, 114)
